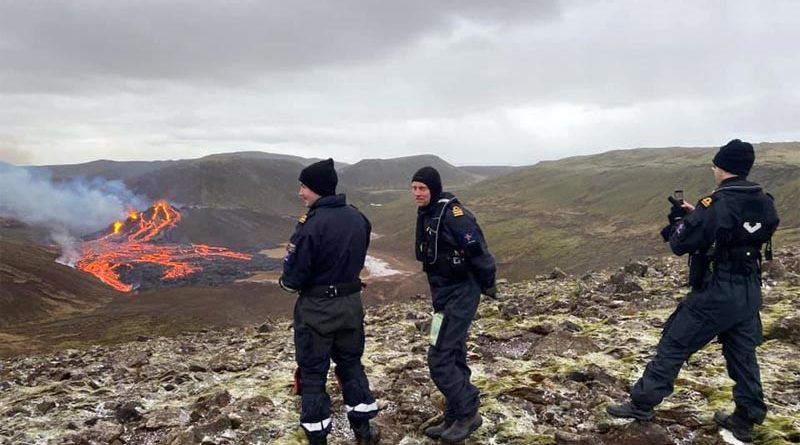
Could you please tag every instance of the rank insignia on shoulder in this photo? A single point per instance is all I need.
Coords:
(458, 211)
(302, 219)
(706, 201)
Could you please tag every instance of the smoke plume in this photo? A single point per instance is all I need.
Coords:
(70, 208)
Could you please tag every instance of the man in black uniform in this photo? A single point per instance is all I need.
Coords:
(455, 257)
(323, 260)
(723, 236)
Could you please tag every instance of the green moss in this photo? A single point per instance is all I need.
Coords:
(778, 430)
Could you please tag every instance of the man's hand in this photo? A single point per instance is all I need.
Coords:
(490, 292)
(676, 214)
(678, 211)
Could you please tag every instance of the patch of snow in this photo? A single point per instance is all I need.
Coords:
(379, 268)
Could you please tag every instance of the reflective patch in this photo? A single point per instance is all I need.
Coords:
(681, 227)
(458, 211)
(750, 227)
(316, 426)
(362, 407)
(290, 249)
(706, 201)
(302, 219)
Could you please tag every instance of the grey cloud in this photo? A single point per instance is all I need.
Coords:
(86, 43)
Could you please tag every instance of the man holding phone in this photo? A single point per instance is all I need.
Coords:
(723, 236)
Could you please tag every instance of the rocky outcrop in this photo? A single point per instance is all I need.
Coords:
(548, 358)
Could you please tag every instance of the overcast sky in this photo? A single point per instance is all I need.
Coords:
(489, 82)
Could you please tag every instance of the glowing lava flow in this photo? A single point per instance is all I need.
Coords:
(134, 242)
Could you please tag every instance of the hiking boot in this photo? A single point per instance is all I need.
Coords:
(740, 428)
(630, 410)
(462, 428)
(435, 431)
(372, 437)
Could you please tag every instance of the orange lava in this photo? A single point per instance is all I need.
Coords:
(134, 241)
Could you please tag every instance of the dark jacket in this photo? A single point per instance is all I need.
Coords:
(328, 246)
(451, 245)
(729, 226)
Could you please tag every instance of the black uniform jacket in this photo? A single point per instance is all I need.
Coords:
(451, 245)
(738, 216)
(328, 246)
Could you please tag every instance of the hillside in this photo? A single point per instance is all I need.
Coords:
(548, 357)
(591, 211)
(33, 287)
(489, 171)
(395, 174)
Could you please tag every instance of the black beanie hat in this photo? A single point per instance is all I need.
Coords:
(430, 177)
(320, 177)
(735, 157)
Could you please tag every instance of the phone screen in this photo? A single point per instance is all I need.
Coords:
(678, 195)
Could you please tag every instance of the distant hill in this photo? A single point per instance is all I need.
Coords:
(578, 213)
(264, 185)
(395, 174)
(489, 171)
(593, 211)
(261, 155)
(110, 170)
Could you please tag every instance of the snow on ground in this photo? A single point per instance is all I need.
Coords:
(379, 268)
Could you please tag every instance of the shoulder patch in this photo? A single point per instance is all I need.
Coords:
(458, 211)
(303, 219)
(706, 202)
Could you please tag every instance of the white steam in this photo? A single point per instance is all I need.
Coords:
(73, 207)
(69, 248)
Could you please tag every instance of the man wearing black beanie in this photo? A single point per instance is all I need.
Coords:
(459, 266)
(723, 235)
(323, 261)
(320, 177)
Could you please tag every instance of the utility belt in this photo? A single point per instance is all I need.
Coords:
(737, 254)
(452, 265)
(332, 290)
(742, 260)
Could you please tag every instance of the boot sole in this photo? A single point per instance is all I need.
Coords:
(642, 418)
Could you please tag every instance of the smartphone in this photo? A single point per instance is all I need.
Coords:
(678, 195)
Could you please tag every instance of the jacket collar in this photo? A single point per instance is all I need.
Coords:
(330, 201)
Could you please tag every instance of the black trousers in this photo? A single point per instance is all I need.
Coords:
(727, 307)
(324, 329)
(447, 359)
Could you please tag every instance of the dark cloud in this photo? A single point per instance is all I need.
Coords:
(475, 81)
(82, 43)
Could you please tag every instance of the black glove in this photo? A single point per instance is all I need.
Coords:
(677, 212)
(490, 292)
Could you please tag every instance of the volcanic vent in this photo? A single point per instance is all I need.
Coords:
(138, 253)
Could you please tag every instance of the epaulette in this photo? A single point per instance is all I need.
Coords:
(458, 211)
(706, 202)
(303, 219)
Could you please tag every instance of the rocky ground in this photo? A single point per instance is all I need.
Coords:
(548, 357)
